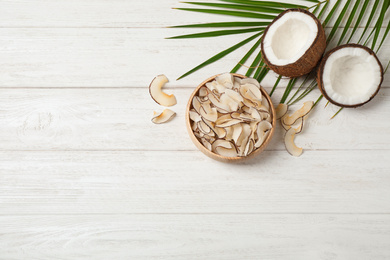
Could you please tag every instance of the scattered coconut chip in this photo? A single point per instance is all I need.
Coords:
(164, 117)
(290, 145)
(281, 110)
(160, 97)
(298, 125)
(303, 111)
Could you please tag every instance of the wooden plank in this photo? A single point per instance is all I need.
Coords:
(119, 119)
(122, 57)
(108, 14)
(189, 182)
(189, 237)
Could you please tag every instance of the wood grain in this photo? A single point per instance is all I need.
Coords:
(153, 182)
(227, 237)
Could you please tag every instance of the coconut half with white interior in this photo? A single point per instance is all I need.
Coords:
(293, 43)
(350, 75)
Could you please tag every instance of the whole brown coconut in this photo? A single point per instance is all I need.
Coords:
(293, 43)
(350, 75)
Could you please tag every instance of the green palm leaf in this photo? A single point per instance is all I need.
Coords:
(217, 33)
(330, 15)
(246, 57)
(384, 36)
(260, 9)
(362, 12)
(222, 24)
(254, 64)
(265, 3)
(230, 13)
(379, 23)
(349, 21)
(220, 55)
(338, 21)
(369, 19)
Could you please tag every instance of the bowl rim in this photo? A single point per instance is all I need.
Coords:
(218, 157)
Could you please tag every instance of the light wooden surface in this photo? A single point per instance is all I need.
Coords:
(84, 174)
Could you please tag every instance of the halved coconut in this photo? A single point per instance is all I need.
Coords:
(350, 75)
(293, 43)
(155, 90)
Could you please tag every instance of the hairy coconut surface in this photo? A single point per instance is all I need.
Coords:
(350, 75)
(293, 43)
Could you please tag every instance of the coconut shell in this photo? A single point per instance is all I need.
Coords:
(321, 67)
(309, 60)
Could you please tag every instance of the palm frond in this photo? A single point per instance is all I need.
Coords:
(217, 33)
(230, 13)
(266, 3)
(254, 64)
(222, 25)
(376, 3)
(260, 9)
(349, 21)
(379, 23)
(359, 19)
(338, 21)
(221, 55)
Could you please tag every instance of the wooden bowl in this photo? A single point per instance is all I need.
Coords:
(218, 157)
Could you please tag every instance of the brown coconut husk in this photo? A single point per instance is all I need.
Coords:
(309, 60)
(321, 67)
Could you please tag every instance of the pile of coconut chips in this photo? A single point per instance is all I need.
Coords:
(230, 117)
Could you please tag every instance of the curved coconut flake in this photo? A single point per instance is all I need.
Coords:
(264, 104)
(251, 81)
(233, 105)
(160, 97)
(251, 92)
(203, 92)
(194, 116)
(290, 145)
(203, 127)
(297, 125)
(303, 111)
(281, 110)
(211, 86)
(244, 136)
(234, 95)
(232, 152)
(221, 132)
(229, 123)
(225, 80)
(237, 130)
(224, 118)
(206, 144)
(262, 132)
(229, 133)
(196, 104)
(249, 147)
(164, 117)
(350, 75)
(255, 114)
(218, 104)
(209, 113)
(222, 143)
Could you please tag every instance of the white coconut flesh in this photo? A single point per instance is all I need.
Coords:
(351, 76)
(289, 37)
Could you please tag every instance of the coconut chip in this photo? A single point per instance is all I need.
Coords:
(163, 117)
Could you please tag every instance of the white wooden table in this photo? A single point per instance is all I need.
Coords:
(84, 174)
